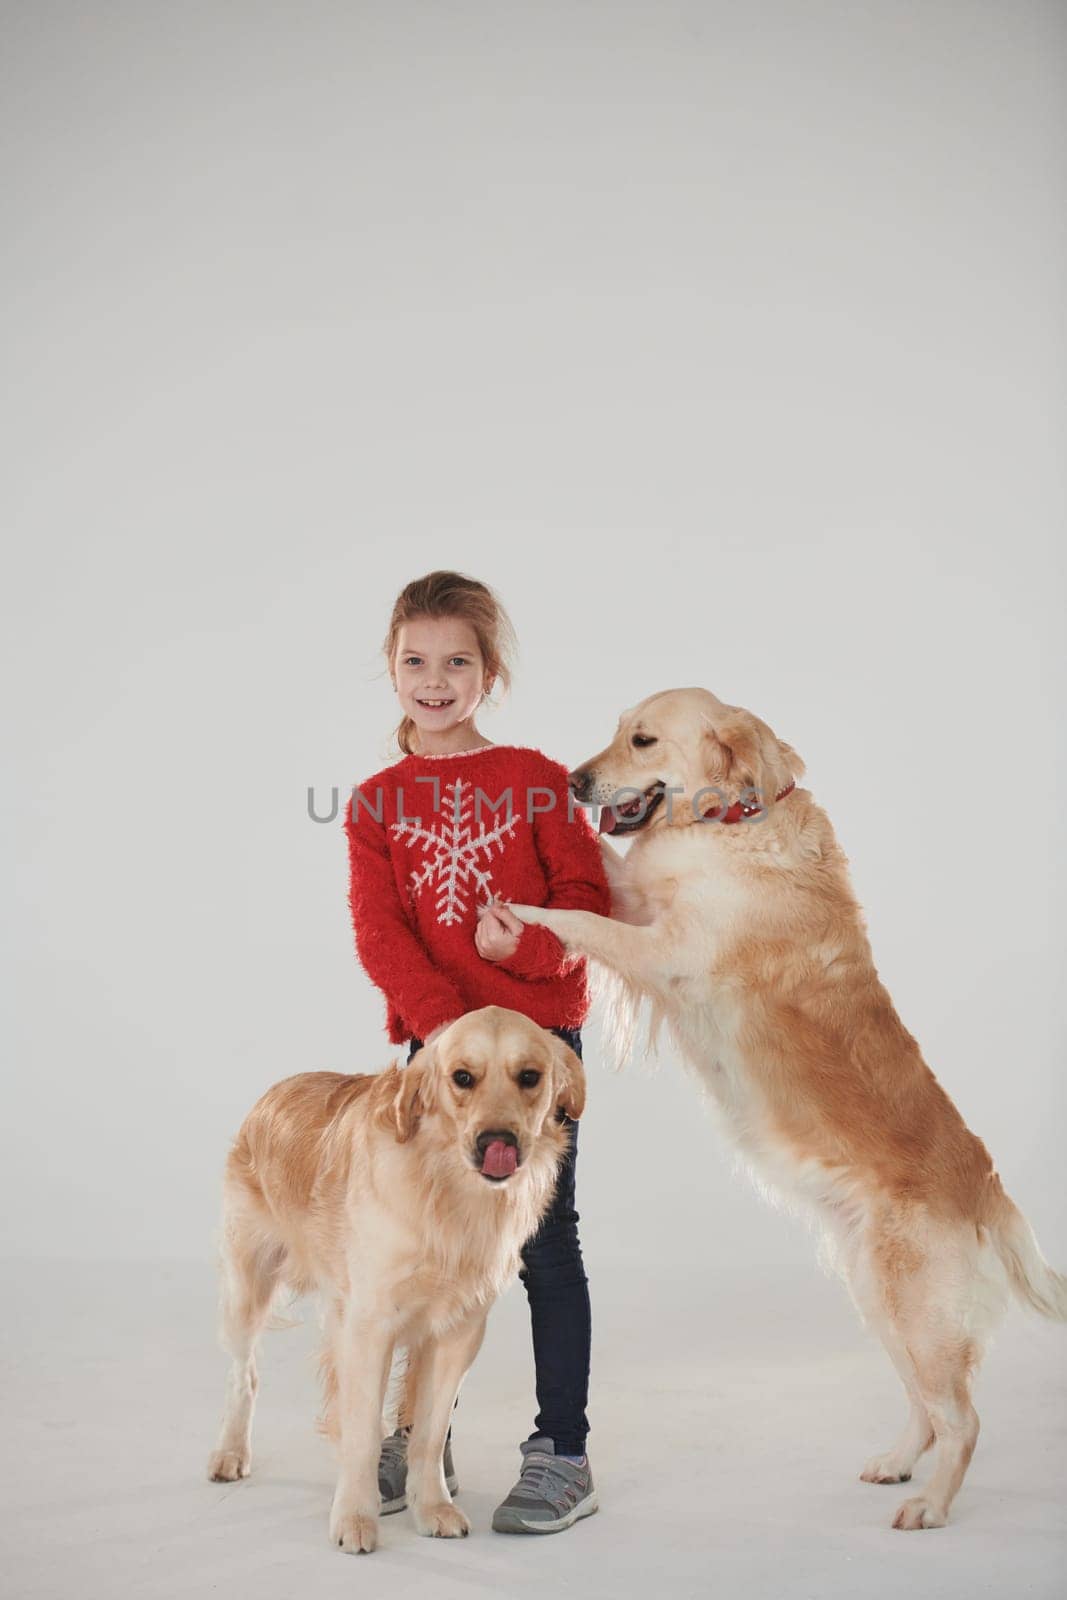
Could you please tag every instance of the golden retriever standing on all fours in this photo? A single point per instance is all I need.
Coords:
(747, 939)
(404, 1197)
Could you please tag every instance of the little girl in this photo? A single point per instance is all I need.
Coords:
(437, 841)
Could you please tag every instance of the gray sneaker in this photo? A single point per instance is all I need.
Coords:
(393, 1471)
(550, 1495)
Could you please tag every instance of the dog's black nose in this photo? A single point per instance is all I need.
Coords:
(580, 782)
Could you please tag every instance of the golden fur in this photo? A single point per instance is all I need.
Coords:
(750, 945)
(368, 1188)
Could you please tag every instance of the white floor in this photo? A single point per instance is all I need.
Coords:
(730, 1421)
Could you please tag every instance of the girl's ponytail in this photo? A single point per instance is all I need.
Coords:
(404, 734)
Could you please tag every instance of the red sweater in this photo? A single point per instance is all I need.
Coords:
(424, 855)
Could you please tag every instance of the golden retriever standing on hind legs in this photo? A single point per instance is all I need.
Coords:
(738, 922)
(404, 1197)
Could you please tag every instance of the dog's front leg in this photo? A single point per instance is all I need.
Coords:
(628, 904)
(362, 1357)
(639, 951)
(443, 1368)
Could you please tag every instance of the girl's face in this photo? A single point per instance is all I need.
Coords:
(438, 673)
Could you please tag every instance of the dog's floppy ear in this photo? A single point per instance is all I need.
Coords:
(792, 762)
(570, 1079)
(743, 753)
(415, 1094)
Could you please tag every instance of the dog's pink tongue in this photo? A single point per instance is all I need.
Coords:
(607, 820)
(500, 1159)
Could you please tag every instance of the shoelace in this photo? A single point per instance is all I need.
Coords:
(547, 1477)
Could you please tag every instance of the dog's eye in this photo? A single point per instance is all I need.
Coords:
(642, 740)
(462, 1079)
(529, 1079)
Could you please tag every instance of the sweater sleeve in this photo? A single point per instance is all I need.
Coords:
(393, 955)
(572, 864)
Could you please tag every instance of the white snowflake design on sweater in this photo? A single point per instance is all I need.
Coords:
(452, 850)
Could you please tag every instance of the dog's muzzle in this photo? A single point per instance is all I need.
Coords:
(496, 1154)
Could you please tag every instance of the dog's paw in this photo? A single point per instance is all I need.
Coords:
(919, 1513)
(885, 1469)
(442, 1521)
(354, 1532)
(226, 1466)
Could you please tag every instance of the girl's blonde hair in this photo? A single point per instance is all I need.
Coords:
(453, 594)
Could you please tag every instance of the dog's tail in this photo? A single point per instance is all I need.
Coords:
(1031, 1277)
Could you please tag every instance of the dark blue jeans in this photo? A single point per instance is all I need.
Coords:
(553, 1274)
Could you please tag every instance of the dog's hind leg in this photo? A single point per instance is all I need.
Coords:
(896, 1465)
(872, 1260)
(409, 1385)
(251, 1268)
(328, 1421)
(933, 1296)
(945, 1359)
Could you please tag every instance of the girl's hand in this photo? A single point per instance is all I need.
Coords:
(498, 933)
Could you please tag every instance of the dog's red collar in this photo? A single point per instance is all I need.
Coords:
(735, 812)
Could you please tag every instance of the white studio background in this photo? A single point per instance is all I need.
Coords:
(724, 341)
